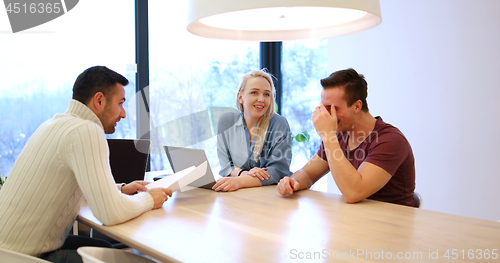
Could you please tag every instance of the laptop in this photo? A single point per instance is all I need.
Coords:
(128, 159)
(182, 158)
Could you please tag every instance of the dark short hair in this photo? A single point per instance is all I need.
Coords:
(354, 84)
(96, 79)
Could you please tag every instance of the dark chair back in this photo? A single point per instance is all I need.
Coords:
(418, 199)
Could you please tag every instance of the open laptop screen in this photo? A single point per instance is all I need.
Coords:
(128, 159)
(182, 158)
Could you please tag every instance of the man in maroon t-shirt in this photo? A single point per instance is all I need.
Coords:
(367, 157)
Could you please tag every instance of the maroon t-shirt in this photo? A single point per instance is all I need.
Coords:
(387, 148)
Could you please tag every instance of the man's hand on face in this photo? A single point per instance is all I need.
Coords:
(324, 122)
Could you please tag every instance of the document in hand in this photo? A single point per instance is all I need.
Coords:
(181, 179)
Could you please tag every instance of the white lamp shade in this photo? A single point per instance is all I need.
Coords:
(279, 20)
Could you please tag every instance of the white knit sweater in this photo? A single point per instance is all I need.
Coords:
(64, 162)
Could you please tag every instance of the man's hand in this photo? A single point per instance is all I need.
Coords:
(160, 195)
(259, 173)
(134, 187)
(324, 122)
(287, 186)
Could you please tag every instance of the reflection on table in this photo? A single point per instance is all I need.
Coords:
(259, 225)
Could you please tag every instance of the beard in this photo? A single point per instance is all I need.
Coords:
(108, 121)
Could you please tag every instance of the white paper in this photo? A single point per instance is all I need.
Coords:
(192, 176)
(180, 179)
(170, 180)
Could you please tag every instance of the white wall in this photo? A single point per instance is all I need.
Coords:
(433, 70)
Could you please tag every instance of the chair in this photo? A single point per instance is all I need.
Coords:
(109, 255)
(12, 256)
(418, 200)
(83, 230)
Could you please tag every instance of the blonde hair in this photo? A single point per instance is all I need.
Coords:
(263, 123)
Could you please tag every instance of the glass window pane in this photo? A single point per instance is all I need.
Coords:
(303, 65)
(39, 66)
(190, 78)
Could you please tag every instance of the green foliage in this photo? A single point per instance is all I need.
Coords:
(302, 137)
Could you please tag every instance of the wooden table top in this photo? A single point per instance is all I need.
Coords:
(259, 225)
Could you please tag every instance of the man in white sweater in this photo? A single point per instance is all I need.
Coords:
(65, 162)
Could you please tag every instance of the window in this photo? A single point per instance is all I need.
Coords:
(303, 65)
(40, 65)
(191, 79)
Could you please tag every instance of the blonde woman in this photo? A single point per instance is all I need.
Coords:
(254, 144)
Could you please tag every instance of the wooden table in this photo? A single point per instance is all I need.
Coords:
(259, 225)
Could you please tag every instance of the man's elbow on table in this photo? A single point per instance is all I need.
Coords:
(110, 219)
(352, 200)
(110, 222)
(353, 197)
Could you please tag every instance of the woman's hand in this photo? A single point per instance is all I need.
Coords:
(259, 173)
(227, 184)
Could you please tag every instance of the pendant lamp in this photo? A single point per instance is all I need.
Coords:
(279, 20)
